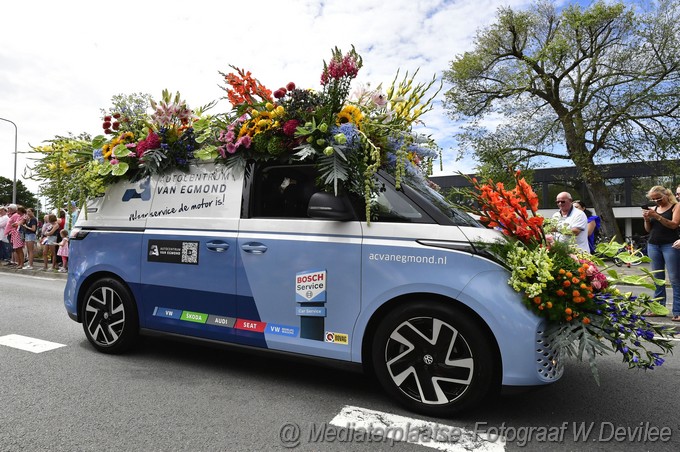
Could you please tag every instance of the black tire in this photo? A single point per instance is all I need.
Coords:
(410, 351)
(109, 316)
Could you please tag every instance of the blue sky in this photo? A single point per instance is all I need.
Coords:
(61, 62)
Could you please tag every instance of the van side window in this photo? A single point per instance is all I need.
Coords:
(393, 206)
(283, 191)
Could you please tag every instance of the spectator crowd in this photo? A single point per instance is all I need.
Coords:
(24, 238)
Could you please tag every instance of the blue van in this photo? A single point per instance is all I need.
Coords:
(263, 259)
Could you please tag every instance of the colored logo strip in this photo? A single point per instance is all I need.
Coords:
(255, 326)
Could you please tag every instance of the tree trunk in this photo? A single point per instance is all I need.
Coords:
(591, 176)
(599, 194)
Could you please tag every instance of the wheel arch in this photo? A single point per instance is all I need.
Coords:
(395, 303)
(89, 281)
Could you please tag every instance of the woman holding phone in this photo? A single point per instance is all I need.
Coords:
(661, 222)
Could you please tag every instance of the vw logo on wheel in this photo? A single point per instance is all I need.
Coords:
(427, 359)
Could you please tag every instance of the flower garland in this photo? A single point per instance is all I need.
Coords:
(348, 137)
(585, 310)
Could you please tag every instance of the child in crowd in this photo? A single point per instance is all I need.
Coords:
(49, 240)
(63, 251)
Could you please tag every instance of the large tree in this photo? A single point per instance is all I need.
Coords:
(583, 85)
(24, 196)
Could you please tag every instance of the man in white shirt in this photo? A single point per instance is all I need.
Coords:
(574, 218)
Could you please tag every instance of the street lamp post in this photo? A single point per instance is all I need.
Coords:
(14, 181)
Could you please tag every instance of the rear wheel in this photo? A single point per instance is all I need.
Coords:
(433, 358)
(109, 316)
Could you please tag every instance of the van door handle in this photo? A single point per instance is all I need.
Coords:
(254, 248)
(218, 245)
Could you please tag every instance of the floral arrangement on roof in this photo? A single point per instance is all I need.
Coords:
(570, 288)
(348, 135)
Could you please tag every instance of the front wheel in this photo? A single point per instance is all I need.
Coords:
(434, 358)
(109, 316)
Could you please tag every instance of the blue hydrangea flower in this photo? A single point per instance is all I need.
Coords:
(98, 155)
(350, 132)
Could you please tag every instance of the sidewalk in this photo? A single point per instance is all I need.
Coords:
(37, 271)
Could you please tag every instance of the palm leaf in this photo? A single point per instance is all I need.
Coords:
(332, 169)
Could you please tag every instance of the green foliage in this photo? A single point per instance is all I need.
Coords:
(24, 196)
(65, 168)
(584, 85)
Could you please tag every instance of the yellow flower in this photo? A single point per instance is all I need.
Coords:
(349, 113)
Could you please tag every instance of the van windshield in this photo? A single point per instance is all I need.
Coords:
(459, 217)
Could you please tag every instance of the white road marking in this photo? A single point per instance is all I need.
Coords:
(28, 344)
(415, 431)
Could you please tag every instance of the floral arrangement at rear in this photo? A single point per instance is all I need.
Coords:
(570, 288)
(136, 143)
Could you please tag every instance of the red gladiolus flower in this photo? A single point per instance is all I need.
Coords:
(115, 125)
(507, 209)
(106, 125)
(290, 86)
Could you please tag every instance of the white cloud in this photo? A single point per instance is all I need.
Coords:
(61, 62)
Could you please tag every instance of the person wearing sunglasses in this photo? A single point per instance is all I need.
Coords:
(574, 218)
(661, 222)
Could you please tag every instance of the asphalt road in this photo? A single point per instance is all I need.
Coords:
(175, 396)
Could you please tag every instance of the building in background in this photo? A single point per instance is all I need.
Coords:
(628, 184)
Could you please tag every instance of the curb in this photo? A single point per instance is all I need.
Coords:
(38, 272)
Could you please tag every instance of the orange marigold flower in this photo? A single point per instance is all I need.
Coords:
(560, 292)
(569, 275)
(549, 305)
(583, 286)
(586, 320)
(575, 280)
(568, 311)
(569, 318)
(537, 300)
(562, 271)
(566, 283)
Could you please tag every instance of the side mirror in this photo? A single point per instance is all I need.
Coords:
(325, 206)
